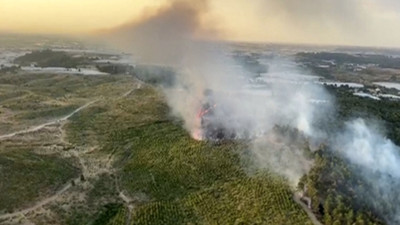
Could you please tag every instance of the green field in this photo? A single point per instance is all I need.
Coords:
(169, 177)
(36, 165)
(26, 177)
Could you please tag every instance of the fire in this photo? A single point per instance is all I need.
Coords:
(197, 132)
(205, 111)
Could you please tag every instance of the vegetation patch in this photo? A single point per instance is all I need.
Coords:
(164, 162)
(27, 177)
(49, 58)
(49, 113)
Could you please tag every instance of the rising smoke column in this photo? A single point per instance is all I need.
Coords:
(162, 35)
(169, 36)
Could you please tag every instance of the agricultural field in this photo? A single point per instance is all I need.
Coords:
(106, 150)
(184, 112)
(164, 176)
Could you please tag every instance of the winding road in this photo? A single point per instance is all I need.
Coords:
(41, 126)
(66, 187)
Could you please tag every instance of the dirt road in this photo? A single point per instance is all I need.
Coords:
(41, 126)
(38, 204)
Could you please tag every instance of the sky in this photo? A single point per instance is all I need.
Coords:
(337, 22)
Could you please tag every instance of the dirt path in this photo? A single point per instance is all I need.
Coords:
(67, 186)
(310, 214)
(41, 126)
(38, 204)
(138, 86)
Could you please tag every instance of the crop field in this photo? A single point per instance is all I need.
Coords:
(257, 200)
(243, 201)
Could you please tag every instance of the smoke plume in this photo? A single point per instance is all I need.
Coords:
(162, 35)
(208, 74)
(170, 36)
(378, 162)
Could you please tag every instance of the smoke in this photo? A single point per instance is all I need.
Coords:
(378, 162)
(282, 155)
(162, 35)
(365, 146)
(171, 35)
(241, 110)
(288, 101)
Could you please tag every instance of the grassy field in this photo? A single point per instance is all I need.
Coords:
(38, 164)
(28, 100)
(109, 119)
(27, 177)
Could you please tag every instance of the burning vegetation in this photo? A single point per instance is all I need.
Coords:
(211, 127)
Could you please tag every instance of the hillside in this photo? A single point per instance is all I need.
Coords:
(121, 158)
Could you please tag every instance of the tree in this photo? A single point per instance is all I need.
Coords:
(350, 217)
(327, 219)
(360, 219)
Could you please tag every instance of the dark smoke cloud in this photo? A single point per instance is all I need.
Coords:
(163, 34)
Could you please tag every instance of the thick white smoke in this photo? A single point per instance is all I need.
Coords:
(378, 162)
(243, 110)
(366, 147)
(290, 100)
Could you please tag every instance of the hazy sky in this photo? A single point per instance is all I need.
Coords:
(351, 22)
